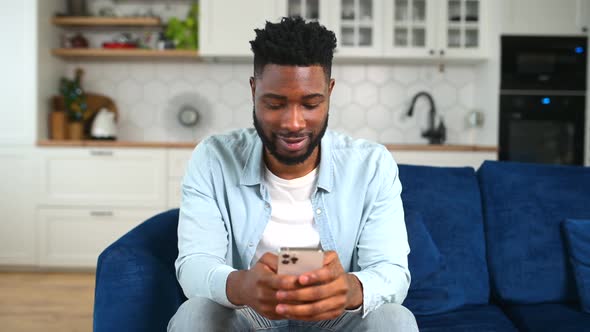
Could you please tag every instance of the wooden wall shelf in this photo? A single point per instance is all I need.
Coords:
(123, 53)
(105, 21)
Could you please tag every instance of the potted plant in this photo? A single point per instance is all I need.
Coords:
(75, 104)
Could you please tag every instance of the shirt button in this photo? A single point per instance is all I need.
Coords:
(318, 211)
(267, 205)
(250, 244)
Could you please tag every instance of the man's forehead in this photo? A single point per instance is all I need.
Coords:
(277, 71)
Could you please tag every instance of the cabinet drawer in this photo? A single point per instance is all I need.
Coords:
(112, 177)
(177, 161)
(75, 237)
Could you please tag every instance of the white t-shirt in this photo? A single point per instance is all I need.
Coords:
(291, 221)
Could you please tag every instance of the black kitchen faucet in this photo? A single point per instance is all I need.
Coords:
(434, 135)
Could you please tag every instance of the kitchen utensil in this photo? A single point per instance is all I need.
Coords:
(104, 126)
(58, 125)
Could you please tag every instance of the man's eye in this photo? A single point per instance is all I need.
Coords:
(274, 106)
(311, 106)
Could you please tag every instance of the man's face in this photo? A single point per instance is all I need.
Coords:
(291, 110)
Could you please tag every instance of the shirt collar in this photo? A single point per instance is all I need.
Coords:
(252, 174)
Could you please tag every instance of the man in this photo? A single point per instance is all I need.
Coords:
(292, 183)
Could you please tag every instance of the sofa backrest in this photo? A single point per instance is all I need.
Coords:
(524, 205)
(448, 200)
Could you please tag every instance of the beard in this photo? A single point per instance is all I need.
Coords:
(268, 142)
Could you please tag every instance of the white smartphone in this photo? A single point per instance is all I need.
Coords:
(296, 261)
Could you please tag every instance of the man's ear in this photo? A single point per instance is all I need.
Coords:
(253, 86)
(331, 86)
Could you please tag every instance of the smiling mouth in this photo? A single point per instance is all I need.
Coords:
(292, 144)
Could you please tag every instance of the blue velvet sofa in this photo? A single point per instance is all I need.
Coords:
(488, 253)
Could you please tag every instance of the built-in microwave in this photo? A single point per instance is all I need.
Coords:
(543, 63)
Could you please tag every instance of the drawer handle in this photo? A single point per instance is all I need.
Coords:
(101, 213)
(101, 153)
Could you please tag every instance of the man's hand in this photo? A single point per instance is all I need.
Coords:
(257, 287)
(319, 295)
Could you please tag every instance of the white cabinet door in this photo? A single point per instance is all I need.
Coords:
(103, 177)
(436, 29)
(358, 25)
(227, 26)
(17, 206)
(411, 28)
(18, 64)
(177, 162)
(75, 237)
(463, 29)
(310, 10)
(545, 17)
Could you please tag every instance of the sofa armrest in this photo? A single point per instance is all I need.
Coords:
(136, 287)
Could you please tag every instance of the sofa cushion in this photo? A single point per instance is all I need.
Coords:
(136, 287)
(577, 234)
(424, 258)
(523, 206)
(487, 318)
(448, 200)
(548, 317)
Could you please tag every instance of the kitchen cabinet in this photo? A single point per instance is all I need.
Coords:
(17, 207)
(310, 10)
(75, 237)
(104, 177)
(89, 197)
(449, 29)
(358, 25)
(177, 161)
(227, 26)
(546, 17)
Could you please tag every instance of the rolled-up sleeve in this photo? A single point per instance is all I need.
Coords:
(201, 266)
(383, 244)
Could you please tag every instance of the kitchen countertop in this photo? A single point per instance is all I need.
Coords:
(190, 145)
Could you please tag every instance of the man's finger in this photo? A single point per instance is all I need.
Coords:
(324, 275)
(311, 309)
(270, 260)
(284, 282)
(311, 294)
(329, 257)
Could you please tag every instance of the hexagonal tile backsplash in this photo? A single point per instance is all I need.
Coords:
(369, 101)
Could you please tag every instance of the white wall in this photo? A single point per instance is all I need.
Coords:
(18, 95)
(368, 101)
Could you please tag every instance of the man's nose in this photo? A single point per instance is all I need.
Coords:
(293, 119)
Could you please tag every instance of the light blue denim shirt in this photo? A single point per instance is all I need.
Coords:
(357, 210)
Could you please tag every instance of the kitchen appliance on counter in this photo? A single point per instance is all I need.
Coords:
(543, 99)
(104, 125)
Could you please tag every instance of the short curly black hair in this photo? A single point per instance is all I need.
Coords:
(294, 42)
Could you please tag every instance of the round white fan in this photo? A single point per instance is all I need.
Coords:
(188, 117)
